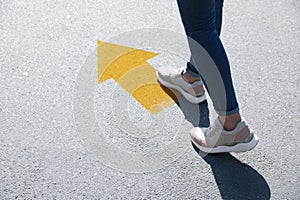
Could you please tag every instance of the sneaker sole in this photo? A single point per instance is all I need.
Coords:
(186, 95)
(241, 147)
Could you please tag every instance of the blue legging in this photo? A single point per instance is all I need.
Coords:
(202, 20)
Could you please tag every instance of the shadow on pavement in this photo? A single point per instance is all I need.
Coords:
(235, 180)
(196, 114)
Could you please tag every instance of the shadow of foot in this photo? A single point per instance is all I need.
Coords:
(196, 114)
(236, 180)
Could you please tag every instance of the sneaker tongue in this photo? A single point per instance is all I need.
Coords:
(181, 71)
(237, 129)
(218, 123)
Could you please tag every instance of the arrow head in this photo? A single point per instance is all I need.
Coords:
(129, 67)
(115, 60)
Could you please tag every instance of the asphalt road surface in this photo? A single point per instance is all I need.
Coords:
(63, 136)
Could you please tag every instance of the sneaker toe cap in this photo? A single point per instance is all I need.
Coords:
(198, 136)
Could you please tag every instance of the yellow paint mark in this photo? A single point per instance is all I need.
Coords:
(129, 67)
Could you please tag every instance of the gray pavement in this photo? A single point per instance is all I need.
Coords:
(46, 152)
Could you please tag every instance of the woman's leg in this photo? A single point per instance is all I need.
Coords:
(219, 15)
(191, 72)
(228, 133)
(199, 20)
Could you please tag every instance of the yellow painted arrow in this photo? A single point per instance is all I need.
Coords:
(129, 67)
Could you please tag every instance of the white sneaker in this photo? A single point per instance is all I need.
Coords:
(171, 78)
(217, 140)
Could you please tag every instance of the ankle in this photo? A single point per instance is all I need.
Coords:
(230, 122)
(189, 78)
